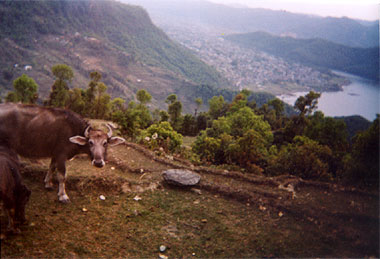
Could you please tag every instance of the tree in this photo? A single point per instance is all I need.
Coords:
(60, 89)
(164, 116)
(239, 102)
(143, 96)
(174, 111)
(278, 106)
(199, 103)
(296, 125)
(63, 72)
(117, 104)
(101, 106)
(90, 93)
(218, 107)
(171, 98)
(307, 104)
(133, 120)
(276, 116)
(245, 119)
(75, 101)
(188, 127)
(26, 90)
(327, 131)
(97, 101)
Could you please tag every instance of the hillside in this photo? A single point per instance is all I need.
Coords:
(228, 215)
(320, 53)
(226, 19)
(116, 39)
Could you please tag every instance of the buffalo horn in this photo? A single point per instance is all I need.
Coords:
(109, 134)
(86, 131)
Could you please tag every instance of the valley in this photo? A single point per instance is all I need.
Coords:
(248, 68)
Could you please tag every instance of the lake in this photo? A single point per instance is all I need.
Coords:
(360, 97)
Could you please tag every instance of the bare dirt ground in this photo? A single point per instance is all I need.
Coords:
(229, 214)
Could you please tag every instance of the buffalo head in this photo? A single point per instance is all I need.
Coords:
(97, 142)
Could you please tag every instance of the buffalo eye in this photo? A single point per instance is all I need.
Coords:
(91, 142)
(105, 143)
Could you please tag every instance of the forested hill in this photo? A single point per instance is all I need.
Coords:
(116, 39)
(315, 52)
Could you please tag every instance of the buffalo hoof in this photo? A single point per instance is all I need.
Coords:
(64, 199)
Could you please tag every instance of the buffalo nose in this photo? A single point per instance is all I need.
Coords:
(99, 163)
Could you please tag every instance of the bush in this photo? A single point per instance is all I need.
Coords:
(161, 135)
(304, 158)
(207, 148)
(248, 151)
(133, 119)
(241, 138)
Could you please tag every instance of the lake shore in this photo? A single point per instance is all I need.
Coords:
(359, 97)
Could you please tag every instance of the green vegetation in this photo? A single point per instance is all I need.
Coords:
(315, 52)
(239, 134)
(26, 90)
(363, 161)
(60, 90)
(161, 135)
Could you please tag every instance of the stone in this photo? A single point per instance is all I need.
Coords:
(181, 177)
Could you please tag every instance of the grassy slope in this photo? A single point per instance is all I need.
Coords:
(232, 217)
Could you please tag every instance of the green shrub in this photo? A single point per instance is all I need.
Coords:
(304, 158)
(241, 138)
(161, 135)
(207, 147)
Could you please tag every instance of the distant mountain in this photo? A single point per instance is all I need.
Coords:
(228, 19)
(116, 39)
(320, 53)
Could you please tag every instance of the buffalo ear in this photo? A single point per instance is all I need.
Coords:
(115, 141)
(78, 140)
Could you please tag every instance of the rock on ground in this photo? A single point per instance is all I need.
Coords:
(181, 177)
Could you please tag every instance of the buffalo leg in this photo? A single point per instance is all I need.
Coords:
(62, 196)
(11, 220)
(49, 175)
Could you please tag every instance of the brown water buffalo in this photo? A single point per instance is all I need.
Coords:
(41, 132)
(13, 192)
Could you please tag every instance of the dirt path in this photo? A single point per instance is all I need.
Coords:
(229, 214)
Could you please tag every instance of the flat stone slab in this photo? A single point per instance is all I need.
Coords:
(181, 177)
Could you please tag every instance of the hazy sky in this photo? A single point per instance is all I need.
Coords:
(358, 9)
